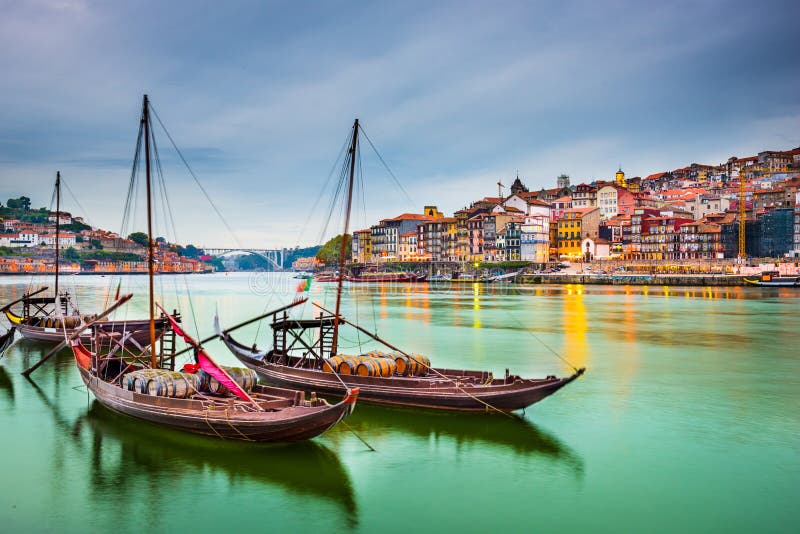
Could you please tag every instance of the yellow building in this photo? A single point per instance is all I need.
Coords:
(573, 226)
(620, 179)
(362, 246)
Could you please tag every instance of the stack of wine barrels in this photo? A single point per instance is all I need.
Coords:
(161, 383)
(173, 384)
(416, 365)
(377, 363)
(244, 377)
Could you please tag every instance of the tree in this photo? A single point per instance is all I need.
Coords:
(329, 253)
(139, 238)
(95, 243)
(71, 254)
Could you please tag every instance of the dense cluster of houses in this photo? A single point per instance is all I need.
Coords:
(687, 213)
(35, 237)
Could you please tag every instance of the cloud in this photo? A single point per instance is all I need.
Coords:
(260, 96)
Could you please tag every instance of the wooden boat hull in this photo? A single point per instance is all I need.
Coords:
(292, 423)
(140, 331)
(430, 392)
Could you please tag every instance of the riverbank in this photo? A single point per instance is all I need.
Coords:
(634, 279)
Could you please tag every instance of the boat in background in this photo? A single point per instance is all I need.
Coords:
(41, 319)
(774, 279)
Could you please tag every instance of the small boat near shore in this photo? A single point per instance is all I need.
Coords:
(774, 279)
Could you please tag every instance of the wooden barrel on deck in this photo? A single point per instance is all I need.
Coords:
(376, 367)
(176, 385)
(416, 365)
(244, 377)
(332, 364)
(349, 365)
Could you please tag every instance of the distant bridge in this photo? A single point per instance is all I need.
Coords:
(273, 256)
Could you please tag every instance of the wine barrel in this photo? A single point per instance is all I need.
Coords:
(349, 365)
(416, 365)
(376, 367)
(333, 363)
(175, 385)
(244, 377)
(137, 380)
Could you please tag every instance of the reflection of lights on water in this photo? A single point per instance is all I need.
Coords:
(666, 290)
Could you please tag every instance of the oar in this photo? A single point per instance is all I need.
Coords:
(240, 325)
(27, 295)
(77, 333)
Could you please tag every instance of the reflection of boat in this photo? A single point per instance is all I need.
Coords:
(144, 384)
(306, 469)
(6, 383)
(516, 434)
(774, 279)
(7, 339)
(295, 363)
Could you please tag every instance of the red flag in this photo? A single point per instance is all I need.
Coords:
(208, 365)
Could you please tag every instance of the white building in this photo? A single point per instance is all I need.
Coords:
(595, 248)
(64, 217)
(607, 201)
(21, 240)
(534, 239)
(65, 239)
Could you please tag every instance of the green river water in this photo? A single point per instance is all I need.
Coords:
(688, 419)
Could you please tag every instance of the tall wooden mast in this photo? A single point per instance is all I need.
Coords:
(343, 251)
(150, 258)
(58, 226)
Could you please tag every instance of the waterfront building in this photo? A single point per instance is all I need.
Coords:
(573, 226)
(407, 249)
(512, 235)
(661, 236)
(535, 233)
(595, 248)
(701, 240)
(796, 247)
(475, 228)
(362, 246)
(777, 233)
(462, 235)
(637, 224)
(10, 225)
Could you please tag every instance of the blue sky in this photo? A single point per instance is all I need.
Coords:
(456, 95)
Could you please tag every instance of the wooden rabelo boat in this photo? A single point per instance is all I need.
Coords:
(296, 363)
(202, 398)
(7, 339)
(40, 320)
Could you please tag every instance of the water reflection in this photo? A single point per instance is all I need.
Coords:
(7, 385)
(515, 434)
(126, 456)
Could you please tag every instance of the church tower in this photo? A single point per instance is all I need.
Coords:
(621, 179)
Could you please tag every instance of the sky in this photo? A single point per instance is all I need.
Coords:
(260, 97)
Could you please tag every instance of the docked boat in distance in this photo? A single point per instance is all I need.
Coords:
(774, 279)
(396, 378)
(41, 319)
